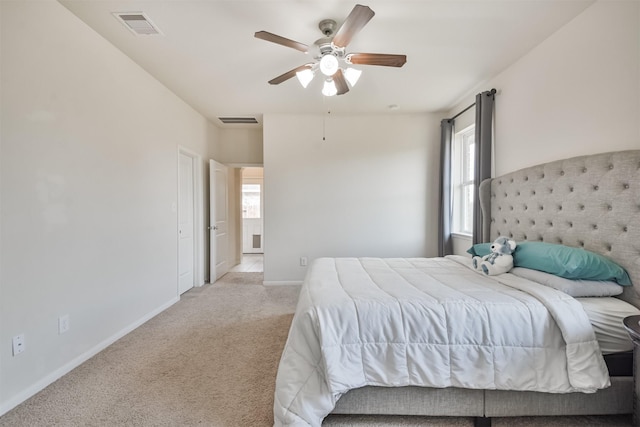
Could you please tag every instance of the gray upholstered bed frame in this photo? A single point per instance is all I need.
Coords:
(591, 202)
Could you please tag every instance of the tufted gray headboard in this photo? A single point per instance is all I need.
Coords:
(591, 202)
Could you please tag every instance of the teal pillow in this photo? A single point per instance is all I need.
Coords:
(568, 262)
(480, 249)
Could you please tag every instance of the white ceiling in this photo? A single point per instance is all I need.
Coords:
(208, 56)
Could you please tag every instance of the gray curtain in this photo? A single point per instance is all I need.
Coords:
(484, 123)
(445, 244)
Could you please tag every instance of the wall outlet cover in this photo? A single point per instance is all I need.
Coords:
(63, 324)
(18, 344)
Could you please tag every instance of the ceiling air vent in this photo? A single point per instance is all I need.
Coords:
(238, 120)
(137, 23)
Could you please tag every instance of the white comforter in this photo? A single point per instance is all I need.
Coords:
(428, 322)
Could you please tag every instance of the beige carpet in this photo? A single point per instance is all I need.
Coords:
(209, 360)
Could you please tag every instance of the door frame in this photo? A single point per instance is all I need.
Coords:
(198, 217)
(238, 208)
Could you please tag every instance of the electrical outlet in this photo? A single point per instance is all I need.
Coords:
(303, 261)
(63, 324)
(18, 344)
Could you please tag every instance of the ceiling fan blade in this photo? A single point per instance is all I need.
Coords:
(383, 59)
(341, 83)
(286, 76)
(274, 38)
(357, 19)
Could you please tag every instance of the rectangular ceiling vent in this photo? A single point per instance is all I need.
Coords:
(137, 22)
(238, 120)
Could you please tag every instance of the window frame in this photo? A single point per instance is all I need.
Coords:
(462, 174)
(258, 183)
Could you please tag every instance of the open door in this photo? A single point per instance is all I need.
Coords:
(218, 221)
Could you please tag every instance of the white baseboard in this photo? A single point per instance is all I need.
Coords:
(282, 282)
(74, 363)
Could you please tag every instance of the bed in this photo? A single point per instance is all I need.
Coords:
(494, 346)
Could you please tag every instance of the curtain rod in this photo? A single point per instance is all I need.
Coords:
(463, 111)
(492, 92)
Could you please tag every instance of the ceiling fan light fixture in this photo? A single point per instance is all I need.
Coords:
(328, 65)
(305, 76)
(352, 75)
(330, 54)
(329, 88)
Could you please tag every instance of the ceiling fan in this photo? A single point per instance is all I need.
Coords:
(330, 56)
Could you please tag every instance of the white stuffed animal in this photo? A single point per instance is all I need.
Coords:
(500, 260)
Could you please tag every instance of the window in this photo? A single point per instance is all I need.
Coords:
(250, 200)
(463, 180)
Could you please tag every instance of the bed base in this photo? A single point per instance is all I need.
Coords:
(484, 404)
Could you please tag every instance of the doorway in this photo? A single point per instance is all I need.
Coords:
(252, 211)
(252, 201)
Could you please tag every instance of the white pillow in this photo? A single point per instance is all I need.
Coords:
(575, 288)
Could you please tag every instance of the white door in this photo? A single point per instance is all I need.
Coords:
(186, 242)
(218, 221)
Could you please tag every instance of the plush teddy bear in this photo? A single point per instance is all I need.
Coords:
(500, 260)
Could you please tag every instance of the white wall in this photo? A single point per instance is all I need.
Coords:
(239, 146)
(234, 188)
(369, 189)
(89, 145)
(576, 93)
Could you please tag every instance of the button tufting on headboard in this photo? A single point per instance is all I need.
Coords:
(589, 201)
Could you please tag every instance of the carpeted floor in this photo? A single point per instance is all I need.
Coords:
(209, 360)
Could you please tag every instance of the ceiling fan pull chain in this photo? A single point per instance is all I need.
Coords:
(324, 118)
